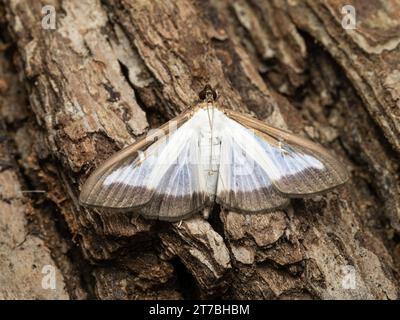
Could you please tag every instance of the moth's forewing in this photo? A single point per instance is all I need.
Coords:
(297, 167)
(126, 180)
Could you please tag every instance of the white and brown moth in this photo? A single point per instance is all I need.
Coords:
(211, 154)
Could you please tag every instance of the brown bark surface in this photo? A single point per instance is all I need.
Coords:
(113, 69)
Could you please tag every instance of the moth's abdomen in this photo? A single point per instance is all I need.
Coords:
(210, 149)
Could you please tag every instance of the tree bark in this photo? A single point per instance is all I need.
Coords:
(113, 69)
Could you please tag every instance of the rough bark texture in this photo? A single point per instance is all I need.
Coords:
(113, 69)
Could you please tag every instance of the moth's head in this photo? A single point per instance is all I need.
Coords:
(208, 94)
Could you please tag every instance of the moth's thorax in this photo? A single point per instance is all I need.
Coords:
(209, 113)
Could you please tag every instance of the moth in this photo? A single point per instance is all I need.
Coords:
(210, 154)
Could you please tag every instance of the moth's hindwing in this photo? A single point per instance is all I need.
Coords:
(243, 183)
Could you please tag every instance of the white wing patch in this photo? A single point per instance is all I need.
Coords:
(181, 190)
(296, 171)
